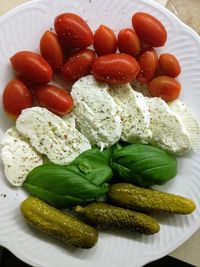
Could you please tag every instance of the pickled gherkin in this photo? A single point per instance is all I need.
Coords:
(103, 215)
(141, 199)
(61, 225)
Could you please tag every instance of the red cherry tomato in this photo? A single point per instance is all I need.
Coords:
(70, 52)
(170, 65)
(31, 67)
(115, 68)
(53, 98)
(51, 50)
(16, 97)
(159, 72)
(73, 31)
(78, 65)
(165, 87)
(128, 42)
(149, 29)
(148, 61)
(105, 41)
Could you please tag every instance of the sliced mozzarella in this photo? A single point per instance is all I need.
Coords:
(191, 124)
(140, 88)
(51, 135)
(167, 129)
(97, 114)
(70, 120)
(134, 114)
(18, 157)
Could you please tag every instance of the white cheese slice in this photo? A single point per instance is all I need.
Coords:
(70, 120)
(97, 115)
(18, 157)
(168, 130)
(140, 88)
(51, 135)
(134, 113)
(191, 124)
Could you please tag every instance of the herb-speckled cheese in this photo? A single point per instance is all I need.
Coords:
(168, 131)
(97, 114)
(70, 120)
(49, 134)
(134, 113)
(18, 157)
(191, 124)
(140, 88)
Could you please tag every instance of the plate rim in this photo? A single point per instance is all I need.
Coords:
(22, 6)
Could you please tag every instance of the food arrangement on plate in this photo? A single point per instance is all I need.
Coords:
(97, 146)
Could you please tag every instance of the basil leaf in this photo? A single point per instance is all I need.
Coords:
(109, 151)
(53, 199)
(46, 160)
(84, 166)
(84, 179)
(144, 165)
(62, 186)
(94, 164)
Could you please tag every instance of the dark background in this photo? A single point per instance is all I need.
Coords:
(8, 260)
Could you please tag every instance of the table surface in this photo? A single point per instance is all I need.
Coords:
(188, 11)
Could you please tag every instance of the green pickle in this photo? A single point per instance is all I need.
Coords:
(59, 224)
(103, 215)
(141, 199)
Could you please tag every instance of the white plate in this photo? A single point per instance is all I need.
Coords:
(21, 29)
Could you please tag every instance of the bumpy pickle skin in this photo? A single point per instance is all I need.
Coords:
(141, 199)
(58, 224)
(103, 215)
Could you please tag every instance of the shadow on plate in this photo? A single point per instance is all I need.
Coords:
(58, 244)
(173, 220)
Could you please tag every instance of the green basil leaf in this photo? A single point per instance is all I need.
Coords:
(94, 154)
(84, 179)
(94, 164)
(53, 199)
(85, 166)
(144, 165)
(46, 160)
(110, 151)
(62, 186)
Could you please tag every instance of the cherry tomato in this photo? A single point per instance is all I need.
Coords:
(149, 29)
(16, 97)
(115, 68)
(170, 65)
(159, 72)
(70, 52)
(53, 98)
(78, 65)
(148, 61)
(51, 50)
(73, 31)
(165, 87)
(105, 41)
(128, 42)
(31, 67)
